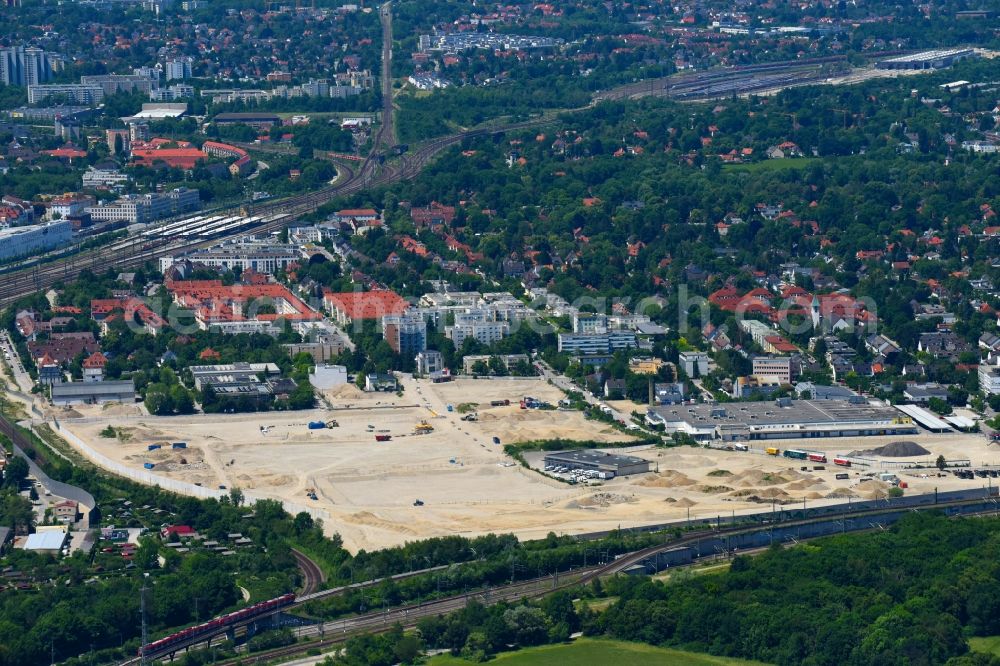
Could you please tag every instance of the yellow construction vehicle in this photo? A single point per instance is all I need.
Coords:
(423, 428)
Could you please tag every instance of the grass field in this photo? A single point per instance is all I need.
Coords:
(591, 652)
(985, 644)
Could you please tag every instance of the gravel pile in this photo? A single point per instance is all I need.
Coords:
(904, 449)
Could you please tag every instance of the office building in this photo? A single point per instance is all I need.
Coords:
(140, 208)
(24, 241)
(773, 369)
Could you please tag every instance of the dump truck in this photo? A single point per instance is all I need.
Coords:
(383, 438)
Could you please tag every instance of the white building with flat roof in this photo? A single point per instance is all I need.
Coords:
(24, 241)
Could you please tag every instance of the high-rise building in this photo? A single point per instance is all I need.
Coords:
(178, 68)
(406, 334)
(20, 66)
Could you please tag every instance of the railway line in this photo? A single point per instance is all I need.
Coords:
(312, 575)
(697, 545)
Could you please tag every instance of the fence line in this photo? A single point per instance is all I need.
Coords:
(148, 478)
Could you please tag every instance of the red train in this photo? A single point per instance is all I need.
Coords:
(843, 462)
(184, 636)
(817, 457)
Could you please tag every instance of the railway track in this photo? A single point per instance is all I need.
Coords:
(334, 633)
(312, 575)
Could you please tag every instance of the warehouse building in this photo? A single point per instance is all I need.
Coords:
(936, 59)
(600, 461)
(93, 393)
(782, 418)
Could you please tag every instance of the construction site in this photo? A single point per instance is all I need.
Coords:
(382, 469)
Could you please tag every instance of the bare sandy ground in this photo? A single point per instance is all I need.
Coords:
(467, 484)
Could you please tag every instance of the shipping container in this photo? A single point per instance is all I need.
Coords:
(317, 425)
(148, 465)
(179, 445)
(843, 462)
(772, 451)
(817, 457)
(153, 447)
(843, 476)
(383, 438)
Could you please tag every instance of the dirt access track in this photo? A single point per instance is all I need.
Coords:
(467, 484)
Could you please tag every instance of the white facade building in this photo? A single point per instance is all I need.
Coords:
(23, 241)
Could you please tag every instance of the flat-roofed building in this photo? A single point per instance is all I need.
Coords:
(93, 393)
(782, 418)
(600, 461)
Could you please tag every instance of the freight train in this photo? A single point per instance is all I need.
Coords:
(213, 627)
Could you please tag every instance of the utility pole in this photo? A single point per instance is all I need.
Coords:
(145, 627)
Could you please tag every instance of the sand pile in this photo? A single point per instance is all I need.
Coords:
(345, 391)
(841, 493)
(667, 479)
(752, 478)
(605, 500)
(904, 449)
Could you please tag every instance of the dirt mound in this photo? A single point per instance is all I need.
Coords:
(841, 493)
(605, 499)
(344, 391)
(752, 478)
(904, 449)
(667, 479)
(685, 502)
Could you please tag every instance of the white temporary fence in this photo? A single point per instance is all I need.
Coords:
(147, 477)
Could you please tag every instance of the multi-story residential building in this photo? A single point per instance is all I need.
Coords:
(100, 178)
(178, 68)
(989, 377)
(113, 84)
(589, 323)
(78, 93)
(172, 93)
(406, 334)
(20, 66)
(596, 343)
(259, 257)
(694, 363)
(69, 205)
(429, 362)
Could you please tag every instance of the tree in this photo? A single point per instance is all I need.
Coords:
(15, 473)
(181, 399)
(941, 463)
(158, 400)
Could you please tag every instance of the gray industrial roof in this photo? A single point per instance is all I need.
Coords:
(769, 413)
(75, 389)
(595, 457)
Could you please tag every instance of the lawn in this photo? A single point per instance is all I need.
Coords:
(985, 644)
(593, 652)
